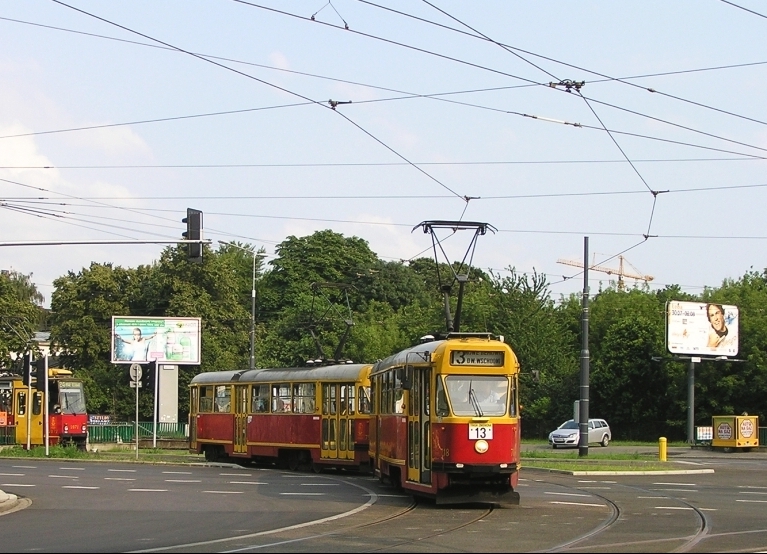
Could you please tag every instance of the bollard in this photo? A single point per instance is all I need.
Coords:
(662, 449)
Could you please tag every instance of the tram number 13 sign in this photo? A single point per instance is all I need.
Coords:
(480, 431)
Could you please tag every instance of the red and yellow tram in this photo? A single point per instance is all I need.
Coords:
(445, 421)
(23, 409)
(314, 416)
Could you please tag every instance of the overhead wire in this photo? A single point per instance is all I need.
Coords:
(264, 82)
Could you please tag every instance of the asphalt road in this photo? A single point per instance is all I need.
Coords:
(120, 507)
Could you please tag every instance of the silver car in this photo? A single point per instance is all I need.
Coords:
(568, 434)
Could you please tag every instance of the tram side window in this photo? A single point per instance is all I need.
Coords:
(37, 403)
(442, 407)
(386, 396)
(364, 396)
(304, 398)
(223, 399)
(513, 397)
(206, 399)
(374, 388)
(281, 398)
(5, 400)
(260, 401)
(399, 395)
(21, 403)
(347, 400)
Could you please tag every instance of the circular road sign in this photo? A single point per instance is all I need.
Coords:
(135, 372)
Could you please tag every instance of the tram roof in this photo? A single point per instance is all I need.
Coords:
(340, 372)
(421, 353)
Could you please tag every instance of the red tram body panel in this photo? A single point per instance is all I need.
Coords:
(315, 416)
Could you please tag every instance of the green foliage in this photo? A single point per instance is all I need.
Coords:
(387, 306)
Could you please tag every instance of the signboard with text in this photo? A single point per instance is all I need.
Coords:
(702, 329)
(175, 340)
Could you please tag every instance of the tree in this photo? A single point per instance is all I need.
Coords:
(20, 315)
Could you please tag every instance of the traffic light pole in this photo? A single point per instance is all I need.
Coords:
(46, 404)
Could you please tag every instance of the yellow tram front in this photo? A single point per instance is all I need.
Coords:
(461, 442)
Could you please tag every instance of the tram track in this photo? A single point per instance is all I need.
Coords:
(586, 542)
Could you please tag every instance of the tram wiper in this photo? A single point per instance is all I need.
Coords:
(474, 403)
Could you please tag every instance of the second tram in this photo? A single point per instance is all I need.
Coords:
(312, 417)
(22, 411)
(445, 422)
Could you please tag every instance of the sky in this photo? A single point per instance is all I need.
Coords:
(640, 125)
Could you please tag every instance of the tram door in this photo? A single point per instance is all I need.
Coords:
(338, 409)
(419, 430)
(29, 418)
(240, 418)
(193, 410)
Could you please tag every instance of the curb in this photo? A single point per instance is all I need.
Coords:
(639, 472)
(11, 503)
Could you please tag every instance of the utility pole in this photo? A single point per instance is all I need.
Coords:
(583, 407)
(252, 301)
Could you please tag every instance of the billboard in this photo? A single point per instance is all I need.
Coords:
(701, 329)
(173, 340)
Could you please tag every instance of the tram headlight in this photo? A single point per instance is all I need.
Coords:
(481, 446)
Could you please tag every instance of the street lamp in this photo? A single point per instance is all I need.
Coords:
(253, 302)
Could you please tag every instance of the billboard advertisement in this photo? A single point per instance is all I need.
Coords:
(701, 329)
(173, 340)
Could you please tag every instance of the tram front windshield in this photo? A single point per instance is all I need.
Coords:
(71, 398)
(478, 395)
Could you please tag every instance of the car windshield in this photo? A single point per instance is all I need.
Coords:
(569, 425)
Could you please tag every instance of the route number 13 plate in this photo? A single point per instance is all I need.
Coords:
(480, 431)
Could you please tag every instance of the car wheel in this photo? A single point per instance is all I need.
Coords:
(605, 441)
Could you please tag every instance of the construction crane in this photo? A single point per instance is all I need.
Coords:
(620, 272)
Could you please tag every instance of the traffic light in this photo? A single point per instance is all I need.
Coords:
(26, 369)
(42, 373)
(193, 231)
(147, 375)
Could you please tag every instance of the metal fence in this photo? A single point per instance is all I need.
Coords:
(126, 432)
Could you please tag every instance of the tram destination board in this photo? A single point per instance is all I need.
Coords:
(475, 357)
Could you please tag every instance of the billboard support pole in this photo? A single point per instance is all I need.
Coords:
(154, 413)
(691, 401)
(137, 384)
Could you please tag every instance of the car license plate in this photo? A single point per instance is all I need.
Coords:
(480, 431)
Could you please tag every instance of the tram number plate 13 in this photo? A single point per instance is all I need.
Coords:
(480, 431)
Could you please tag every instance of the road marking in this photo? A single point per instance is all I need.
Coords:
(123, 470)
(25, 467)
(598, 488)
(675, 490)
(247, 483)
(118, 479)
(672, 508)
(752, 492)
(236, 474)
(147, 490)
(750, 487)
(576, 504)
(753, 501)
(12, 474)
(16, 485)
(302, 493)
(183, 480)
(651, 497)
(72, 468)
(179, 472)
(387, 495)
(77, 487)
(319, 484)
(64, 476)
(568, 494)
(224, 492)
(677, 484)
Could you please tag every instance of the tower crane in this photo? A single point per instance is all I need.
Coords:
(620, 272)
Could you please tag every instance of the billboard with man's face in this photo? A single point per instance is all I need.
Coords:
(171, 340)
(701, 329)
